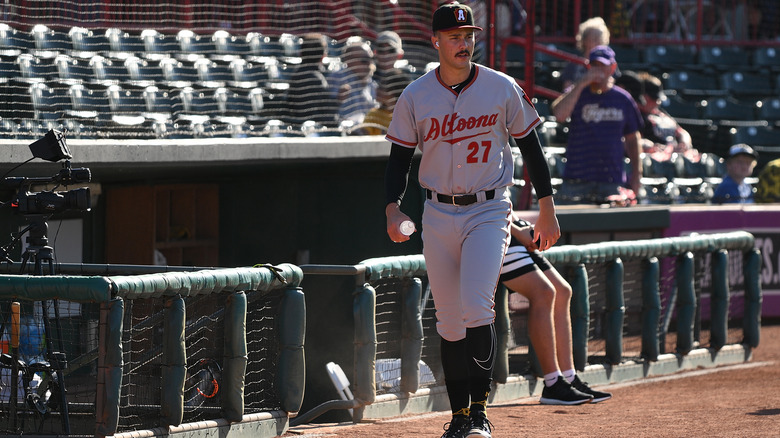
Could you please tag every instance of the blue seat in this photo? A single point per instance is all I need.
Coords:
(690, 83)
(193, 45)
(14, 42)
(87, 43)
(158, 45)
(124, 45)
(721, 59)
(229, 47)
(769, 110)
(178, 74)
(108, 71)
(747, 84)
(667, 57)
(766, 59)
(50, 43)
(35, 69)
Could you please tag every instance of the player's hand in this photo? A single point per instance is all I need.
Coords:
(394, 218)
(547, 231)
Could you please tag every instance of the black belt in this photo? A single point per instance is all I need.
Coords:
(459, 199)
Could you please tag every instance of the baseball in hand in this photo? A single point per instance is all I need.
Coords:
(407, 228)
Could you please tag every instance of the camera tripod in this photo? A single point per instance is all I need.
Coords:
(41, 255)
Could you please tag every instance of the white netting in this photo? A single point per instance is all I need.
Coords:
(106, 69)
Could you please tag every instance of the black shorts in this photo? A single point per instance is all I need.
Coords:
(519, 261)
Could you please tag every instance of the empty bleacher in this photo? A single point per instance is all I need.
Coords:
(147, 84)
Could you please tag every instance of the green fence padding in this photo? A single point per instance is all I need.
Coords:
(400, 266)
(719, 299)
(174, 366)
(752, 316)
(580, 315)
(50, 287)
(686, 303)
(615, 312)
(264, 278)
(651, 309)
(236, 356)
(109, 370)
(364, 312)
(411, 334)
(291, 372)
(503, 327)
(638, 249)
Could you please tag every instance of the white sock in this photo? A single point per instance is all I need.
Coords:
(569, 375)
(551, 378)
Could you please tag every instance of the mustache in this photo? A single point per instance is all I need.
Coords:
(463, 52)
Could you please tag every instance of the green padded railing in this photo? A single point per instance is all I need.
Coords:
(112, 291)
(612, 253)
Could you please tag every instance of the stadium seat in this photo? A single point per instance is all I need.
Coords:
(193, 106)
(72, 70)
(122, 44)
(144, 72)
(47, 104)
(159, 103)
(721, 59)
(212, 74)
(661, 58)
(769, 110)
(766, 59)
(746, 84)
(757, 136)
(692, 191)
(229, 47)
(692, 84)
(9, 70)
(87, 43)
(291, 45)
(264, 46)
(50, 43)
(90, 105)
(109, 71)
(158, 45)
(628, 57)
(193, 46)
(128, 110)
(248, 74)
(13, 42)
(178, 74)
(728, 109)
(35, 69)
(678, 106)
(656, 190)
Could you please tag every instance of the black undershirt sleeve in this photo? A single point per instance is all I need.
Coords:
(536, 163)
(397, 173)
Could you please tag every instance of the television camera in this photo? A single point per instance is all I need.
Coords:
(51, 147)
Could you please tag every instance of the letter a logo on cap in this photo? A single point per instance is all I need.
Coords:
(460, 15)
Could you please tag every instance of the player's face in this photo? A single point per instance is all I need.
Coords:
(455, 47)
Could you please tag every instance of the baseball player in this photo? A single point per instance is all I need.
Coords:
(460, 115)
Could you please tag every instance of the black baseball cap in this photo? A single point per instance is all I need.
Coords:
(453, 16)
(742, 149)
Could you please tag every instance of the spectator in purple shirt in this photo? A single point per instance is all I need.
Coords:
(604, 124)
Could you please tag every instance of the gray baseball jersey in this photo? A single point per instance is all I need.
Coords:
(464, 140)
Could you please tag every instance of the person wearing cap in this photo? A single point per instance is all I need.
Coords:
(662, 135)
(461, 116)
(393, 74)
(740, 163)
(604, 128)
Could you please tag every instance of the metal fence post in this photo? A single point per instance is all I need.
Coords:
(580, 315)
(411, 334)
(615, 312)
(719, 300)
(651, 309)
(686, 303)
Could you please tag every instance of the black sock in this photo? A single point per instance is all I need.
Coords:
(456, 375)
(481, 351)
